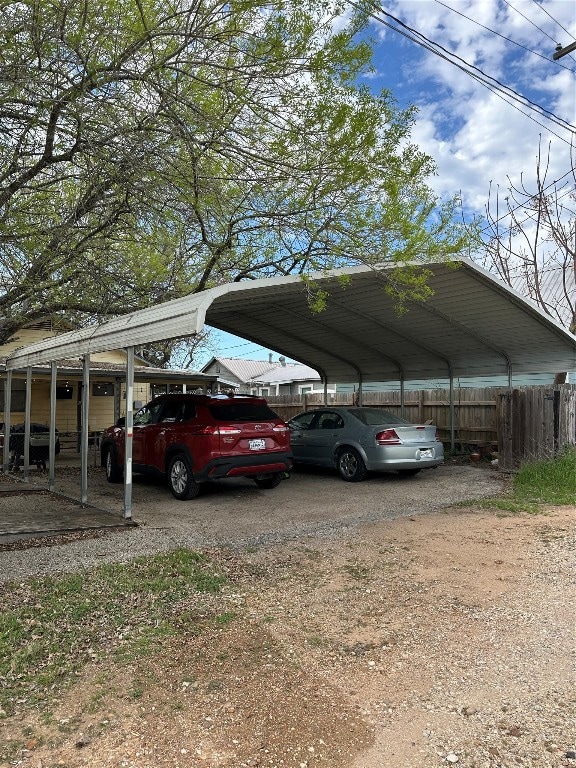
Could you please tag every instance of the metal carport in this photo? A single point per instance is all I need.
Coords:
(473, 324)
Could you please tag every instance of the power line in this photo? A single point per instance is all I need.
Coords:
(500, 96)
(493, 31)
(541, 6)
(481, 76)
(529, 21)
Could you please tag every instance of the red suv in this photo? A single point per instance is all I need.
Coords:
(192, 439)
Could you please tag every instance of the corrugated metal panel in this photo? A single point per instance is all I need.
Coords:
(556, 289)
(473, 325)
(180, 317)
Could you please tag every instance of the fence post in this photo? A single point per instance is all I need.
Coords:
(556, 407)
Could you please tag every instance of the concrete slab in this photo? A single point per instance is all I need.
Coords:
(27, 510)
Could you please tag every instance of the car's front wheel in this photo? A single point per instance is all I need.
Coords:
(351, 466)
(181, 479)
(269, 481)
(113, 471)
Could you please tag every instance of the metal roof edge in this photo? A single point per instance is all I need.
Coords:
(122, 331)
(186, 315)
(512, 294)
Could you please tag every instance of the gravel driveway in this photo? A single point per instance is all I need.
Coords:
(236, 513)
(361, 626)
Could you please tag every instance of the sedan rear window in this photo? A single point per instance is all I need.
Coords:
(373, 417)
(242, 412)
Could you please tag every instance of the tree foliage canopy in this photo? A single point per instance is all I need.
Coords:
(153, 148)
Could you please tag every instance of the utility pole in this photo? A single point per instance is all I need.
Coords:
(559, 52)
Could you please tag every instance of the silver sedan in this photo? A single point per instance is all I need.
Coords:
(357, 440)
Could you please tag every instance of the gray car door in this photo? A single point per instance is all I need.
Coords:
(320, 439)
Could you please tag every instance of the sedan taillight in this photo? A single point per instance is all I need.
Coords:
(387, 437)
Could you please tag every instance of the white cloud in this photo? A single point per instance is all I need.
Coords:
(473, 134)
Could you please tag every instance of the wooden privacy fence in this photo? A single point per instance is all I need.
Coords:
(534, 423)
(524, 424)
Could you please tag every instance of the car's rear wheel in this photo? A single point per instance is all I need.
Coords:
(408, 472)
(269, 481)
(181, 479)
(113, 471)
(351, 466)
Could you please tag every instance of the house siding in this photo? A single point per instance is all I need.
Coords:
(217, 369)
(26, 336)
(101, 410)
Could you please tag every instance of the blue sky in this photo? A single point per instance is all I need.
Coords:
(477, 135)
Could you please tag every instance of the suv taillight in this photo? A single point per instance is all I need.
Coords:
(387, 437)
(281, 428)
(222, 429)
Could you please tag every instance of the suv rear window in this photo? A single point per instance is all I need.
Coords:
(235, 411)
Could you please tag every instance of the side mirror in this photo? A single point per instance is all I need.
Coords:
(121, 421)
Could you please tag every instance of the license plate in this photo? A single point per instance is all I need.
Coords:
(257, 445)
(426, 453)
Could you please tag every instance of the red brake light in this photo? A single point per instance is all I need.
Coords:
(214, 429)
(387, 437)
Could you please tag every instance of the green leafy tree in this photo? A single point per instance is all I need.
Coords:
(153, 148)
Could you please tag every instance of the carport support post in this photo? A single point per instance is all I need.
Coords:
(52, 436)
(84, 433)
(7, 408)
(452, 415)
(27, 411)
(129, 433)
(117, 398)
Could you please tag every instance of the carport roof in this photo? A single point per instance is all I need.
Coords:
(472, 325)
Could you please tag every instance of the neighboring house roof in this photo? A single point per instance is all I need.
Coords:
(263, 371)
(244, 370)
(103, 370)
(283, 374)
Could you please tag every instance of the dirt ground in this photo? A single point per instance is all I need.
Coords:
(423, 641)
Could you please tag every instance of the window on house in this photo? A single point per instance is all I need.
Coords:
(18, 395)
(102, 389)
(265, 392)
(64, 392)
(158, 389)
